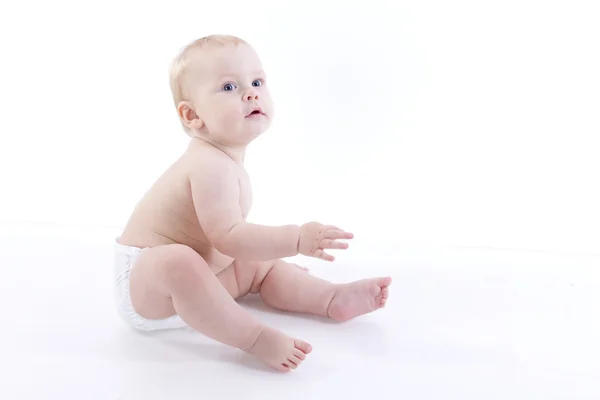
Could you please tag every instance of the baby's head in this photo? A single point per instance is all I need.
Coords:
(219, 89)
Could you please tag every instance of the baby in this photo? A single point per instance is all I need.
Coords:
(187, 252)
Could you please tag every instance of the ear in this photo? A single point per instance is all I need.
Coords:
(188, 115)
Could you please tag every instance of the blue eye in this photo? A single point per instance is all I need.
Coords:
(257, 82)
(228, 87)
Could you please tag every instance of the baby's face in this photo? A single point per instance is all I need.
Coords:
(230, 96)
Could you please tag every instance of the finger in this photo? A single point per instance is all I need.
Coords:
(337, 234)
(302, 268)
(331, 244)
(324, 256)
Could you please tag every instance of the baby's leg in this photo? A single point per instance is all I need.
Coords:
(286, 287)
(174, 279)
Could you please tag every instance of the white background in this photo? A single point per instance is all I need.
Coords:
(468, 122)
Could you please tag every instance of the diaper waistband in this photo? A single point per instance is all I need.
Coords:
(126, 250)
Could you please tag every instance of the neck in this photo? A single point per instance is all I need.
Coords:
(237, 154)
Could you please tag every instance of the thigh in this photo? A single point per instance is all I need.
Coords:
(154, 269)
(243, 277)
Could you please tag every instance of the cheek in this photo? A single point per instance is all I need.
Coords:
(266, 100)
(224, 113)
(231, 116)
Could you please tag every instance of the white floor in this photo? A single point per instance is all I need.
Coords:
(460, 324)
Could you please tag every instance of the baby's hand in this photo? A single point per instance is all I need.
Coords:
(316, 237)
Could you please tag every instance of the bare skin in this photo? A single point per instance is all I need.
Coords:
(202, 253)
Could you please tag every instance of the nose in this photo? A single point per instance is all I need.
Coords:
(251, 95)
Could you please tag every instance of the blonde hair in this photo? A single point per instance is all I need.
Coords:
(182, 63)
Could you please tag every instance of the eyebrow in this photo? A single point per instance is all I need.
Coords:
(225, 75)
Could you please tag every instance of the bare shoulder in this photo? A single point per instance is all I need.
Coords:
(214, 182)
(206, 166)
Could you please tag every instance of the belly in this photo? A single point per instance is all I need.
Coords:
(197, 241)
(151, 229)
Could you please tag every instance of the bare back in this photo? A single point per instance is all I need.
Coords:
(166, 213)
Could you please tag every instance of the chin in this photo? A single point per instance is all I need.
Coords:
(251, 136)
(256, 131)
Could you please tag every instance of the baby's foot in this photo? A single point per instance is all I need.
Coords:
(357, 298)
(280, 351)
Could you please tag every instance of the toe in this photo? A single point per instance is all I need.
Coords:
(299, 354)
(301, 345)
(375, 290)
(284, 368)
(384, 282)
(291, 364)
(384, 293)
(296, 360)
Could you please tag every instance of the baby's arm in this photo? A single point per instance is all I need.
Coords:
(216, 196)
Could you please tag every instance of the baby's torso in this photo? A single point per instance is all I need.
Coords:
(166, 215)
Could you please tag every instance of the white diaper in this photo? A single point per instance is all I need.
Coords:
(125, 257)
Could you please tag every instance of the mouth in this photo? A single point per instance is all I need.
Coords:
(257, 111)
